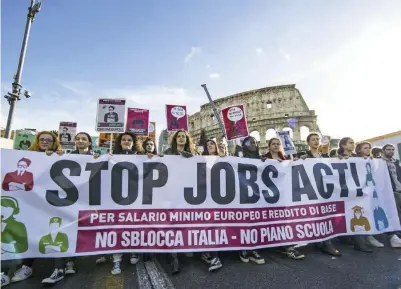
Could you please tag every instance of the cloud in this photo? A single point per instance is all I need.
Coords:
(259, 51)
(195, 50)
(214, 75)
(284, 54)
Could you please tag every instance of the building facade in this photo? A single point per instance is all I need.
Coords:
(267, 109)
(391, 138)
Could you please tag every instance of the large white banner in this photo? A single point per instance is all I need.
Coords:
(72, 205)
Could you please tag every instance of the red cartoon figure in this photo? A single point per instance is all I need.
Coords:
(19, 180)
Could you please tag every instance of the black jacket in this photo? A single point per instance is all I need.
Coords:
(398, 172)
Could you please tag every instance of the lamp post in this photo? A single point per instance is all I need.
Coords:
(13, 96)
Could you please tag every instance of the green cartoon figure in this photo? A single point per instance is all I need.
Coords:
(14, 237)
(55, 241)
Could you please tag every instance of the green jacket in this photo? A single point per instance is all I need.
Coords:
(15, 231)
(61, 240)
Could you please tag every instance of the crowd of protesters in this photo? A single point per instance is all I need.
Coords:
(182, 145)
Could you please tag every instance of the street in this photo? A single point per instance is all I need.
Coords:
(381, 269)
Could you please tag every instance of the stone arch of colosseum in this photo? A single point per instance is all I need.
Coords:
(266, 108)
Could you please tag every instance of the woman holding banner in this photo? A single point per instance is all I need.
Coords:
(126, 144)
(83, 145)
(210, 148)
(181, 144)
(66, 266)
(222, 145)
(345, 150)
(48, 143)
(313, 141)
(276, 153)
(249, 149)
(149, 147)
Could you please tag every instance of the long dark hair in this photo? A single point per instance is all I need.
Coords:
(145, 142)
(247, 153)
(206, 152)
(341, 145)
(359, 147)
(90, 147)
(280, 152)
(118, 148)
(188, 144)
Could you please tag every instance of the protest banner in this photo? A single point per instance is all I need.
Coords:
(23, 139)
(138, 121)
(126, 203)
(66, 134)
(287, 143)
(177, 117)
(234, 119)
(110, 115)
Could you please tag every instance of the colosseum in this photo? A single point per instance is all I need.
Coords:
(267, 109)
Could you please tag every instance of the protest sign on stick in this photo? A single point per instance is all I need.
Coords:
(234, 120)
(23, 139)
(110, 115)
(66, 134)
(138, 121)
(177, 117)
(152, 133)
(287, 143)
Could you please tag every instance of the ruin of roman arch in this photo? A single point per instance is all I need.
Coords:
(266, 108)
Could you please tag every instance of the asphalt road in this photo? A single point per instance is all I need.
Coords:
(354, 270)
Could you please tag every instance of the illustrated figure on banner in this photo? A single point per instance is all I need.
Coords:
(19, 180)
(25, 143)
(55, 241)
(65, 136)
(359, 222)
(381, 221)
(111, 116)
(14, 237)
(379, 215)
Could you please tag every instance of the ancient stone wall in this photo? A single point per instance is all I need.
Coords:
(265, 108)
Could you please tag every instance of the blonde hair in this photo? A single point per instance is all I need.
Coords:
(55, 146)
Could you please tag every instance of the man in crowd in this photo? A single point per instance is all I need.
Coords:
(395, 177)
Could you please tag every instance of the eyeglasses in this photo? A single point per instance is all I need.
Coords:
(21, 166)
(48, 140)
